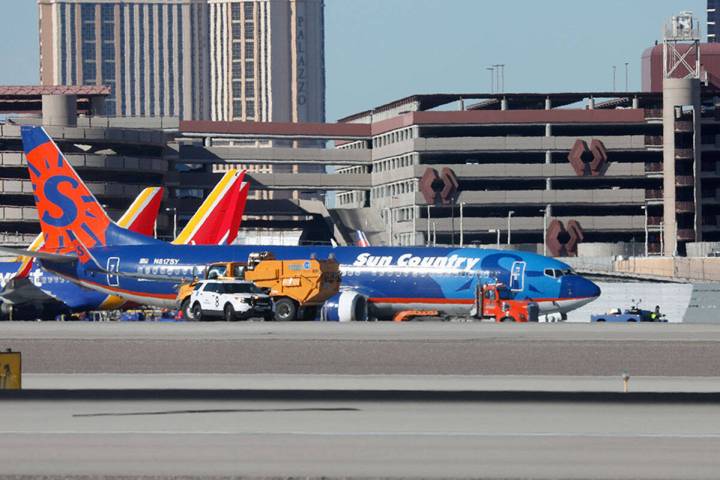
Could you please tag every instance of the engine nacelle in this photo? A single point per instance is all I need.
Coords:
(346, 306)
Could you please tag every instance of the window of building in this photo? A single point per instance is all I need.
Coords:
(87, 13)
(236, 89)
(237, 70)
(250, 89)
(236, 31)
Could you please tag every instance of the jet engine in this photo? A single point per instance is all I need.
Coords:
(347, 306)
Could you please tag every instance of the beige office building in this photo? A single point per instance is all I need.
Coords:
(259, 60)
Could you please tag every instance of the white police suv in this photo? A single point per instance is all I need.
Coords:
(230, 299)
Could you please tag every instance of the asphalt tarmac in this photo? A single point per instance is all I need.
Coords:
(347, 438)
(362, 400)
(421, 348)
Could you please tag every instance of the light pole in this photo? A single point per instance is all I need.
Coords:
(496, 230)
(174, 212)
(645, 210)
(544, 212)
(614, 69)
(627, 77)
(428, 225)
(388, 222)
(462, 204)
(509, 233)
(492, 78)
(662, 238)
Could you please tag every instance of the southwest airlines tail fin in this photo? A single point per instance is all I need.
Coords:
(141, 215)
(361, 239)
(218, 218)
(67, 210)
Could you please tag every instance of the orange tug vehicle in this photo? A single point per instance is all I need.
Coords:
(298, 287)
(492, 301)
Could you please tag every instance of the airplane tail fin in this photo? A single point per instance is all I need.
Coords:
(361, 239)
(67, 210)
(141, 215)
(217, 219)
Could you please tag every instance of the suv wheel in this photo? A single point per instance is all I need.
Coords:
(229, 312)
(197, 312)
(186, 310)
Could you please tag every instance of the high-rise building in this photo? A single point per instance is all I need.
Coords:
(713, 21)
(196, 59)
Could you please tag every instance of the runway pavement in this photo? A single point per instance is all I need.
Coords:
(349, 438)
(422, 348)
(362, 400)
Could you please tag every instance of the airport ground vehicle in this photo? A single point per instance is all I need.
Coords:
(632, 314)
(297, 287)
(230, 299)
(495, 301)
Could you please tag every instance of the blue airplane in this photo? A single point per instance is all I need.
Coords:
(84, 246)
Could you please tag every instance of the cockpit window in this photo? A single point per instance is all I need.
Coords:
(557, 273)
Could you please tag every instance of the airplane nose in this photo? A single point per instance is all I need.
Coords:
(593, 288)
(585, 288)
(576, 286)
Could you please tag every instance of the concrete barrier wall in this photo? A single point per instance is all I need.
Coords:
(699, 268)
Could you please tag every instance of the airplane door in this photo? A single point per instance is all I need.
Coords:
(113, 265)
(517, 276)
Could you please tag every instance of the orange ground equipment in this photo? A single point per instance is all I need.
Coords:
(495, 301)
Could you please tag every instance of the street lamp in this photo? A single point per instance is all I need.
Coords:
(462, 204)
(388, 220)
(645, 210)
(428, 225)
(174, 212)
(509, 233)
(496, 230)
(544, 211)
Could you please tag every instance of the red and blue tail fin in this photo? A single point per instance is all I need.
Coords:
(217, 220)
(141, 215)
(67, 210)
(360, 239)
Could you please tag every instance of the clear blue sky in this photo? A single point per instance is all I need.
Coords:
(380, 50)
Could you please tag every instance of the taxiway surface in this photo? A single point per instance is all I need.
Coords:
(420, 348)
(359, 438)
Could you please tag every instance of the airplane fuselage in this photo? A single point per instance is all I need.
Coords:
(392, 278)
